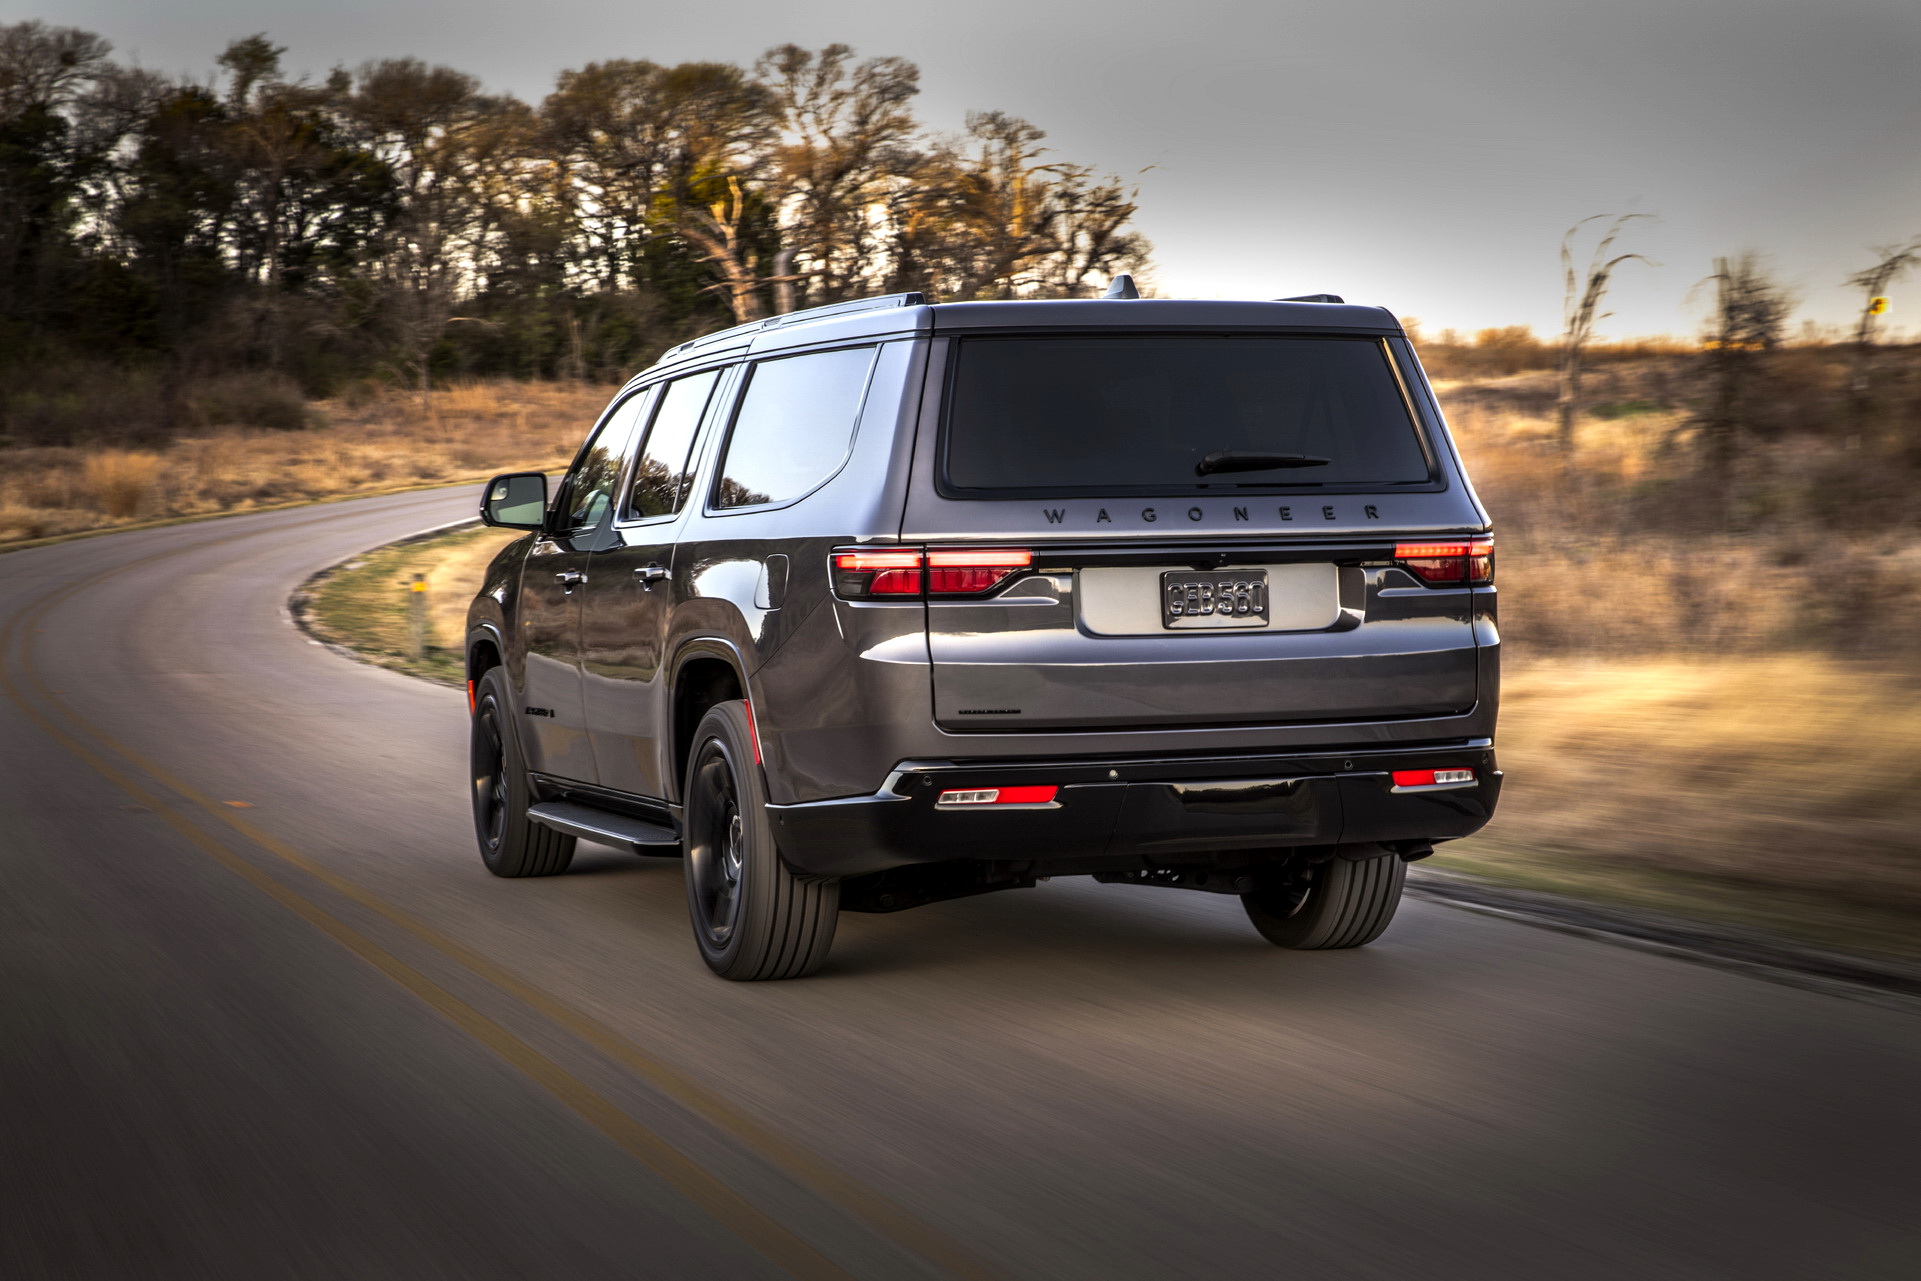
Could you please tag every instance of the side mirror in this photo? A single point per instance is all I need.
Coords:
(517, 500)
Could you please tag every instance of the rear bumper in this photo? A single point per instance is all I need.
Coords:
(1139, 812)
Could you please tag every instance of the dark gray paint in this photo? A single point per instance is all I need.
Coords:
(844, 691)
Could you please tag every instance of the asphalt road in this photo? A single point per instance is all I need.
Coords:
(263, 1014)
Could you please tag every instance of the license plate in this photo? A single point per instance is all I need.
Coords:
(1227, 598)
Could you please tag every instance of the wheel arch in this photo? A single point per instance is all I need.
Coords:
(706, 670)
(486, 649)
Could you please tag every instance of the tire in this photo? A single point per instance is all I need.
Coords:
(753, 918)
(510, 844)
(1348, 902)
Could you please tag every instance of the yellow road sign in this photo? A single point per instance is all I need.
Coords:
(1877, 306)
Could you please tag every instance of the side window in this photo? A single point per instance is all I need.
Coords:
(795, 426)
(660, 479)
(589, 487)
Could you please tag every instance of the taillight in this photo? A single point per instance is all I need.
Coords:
(1467, 563)
(967, 571)
(1405, 778)
(943, 571)
(999, 796)
(862, 575)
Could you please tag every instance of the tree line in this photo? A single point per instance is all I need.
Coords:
(398, 218)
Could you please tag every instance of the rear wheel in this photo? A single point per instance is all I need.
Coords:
(1343, 902)
(753, 919)
(510, 844)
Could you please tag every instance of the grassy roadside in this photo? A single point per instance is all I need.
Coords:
(1772, 792)
(363, 605)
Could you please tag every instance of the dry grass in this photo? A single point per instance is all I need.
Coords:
(373, 442)
(1619, 557)
(118, 483)
(1775, 790)
(364, 604)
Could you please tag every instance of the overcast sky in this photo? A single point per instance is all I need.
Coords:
(1426, 156)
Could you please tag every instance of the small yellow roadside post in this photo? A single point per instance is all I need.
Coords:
(417, 618)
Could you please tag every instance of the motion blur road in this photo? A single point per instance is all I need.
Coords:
(263, 1014)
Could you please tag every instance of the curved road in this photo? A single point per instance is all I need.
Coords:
(262, 1014)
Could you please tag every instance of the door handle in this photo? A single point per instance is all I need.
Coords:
(650, 574)
(570, 578)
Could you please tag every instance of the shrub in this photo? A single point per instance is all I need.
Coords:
(266, 400)
(117, 481)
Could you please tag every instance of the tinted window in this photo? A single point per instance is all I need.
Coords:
(660, 480)
(794, 427)
(589, 492)
(1142, 413)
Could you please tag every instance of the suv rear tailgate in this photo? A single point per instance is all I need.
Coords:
(1350, 637)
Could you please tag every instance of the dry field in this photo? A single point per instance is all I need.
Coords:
(1616, 557)
(374, 442)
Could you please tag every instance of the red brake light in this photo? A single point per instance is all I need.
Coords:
(944, 571)
(967, 571)
(1469, 562)
(859, 575)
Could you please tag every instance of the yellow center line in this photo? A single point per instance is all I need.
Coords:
(824, 1179)
(754, 1226)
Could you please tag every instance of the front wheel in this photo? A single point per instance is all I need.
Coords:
(511, 844)
(752, 917)
(1343, 902)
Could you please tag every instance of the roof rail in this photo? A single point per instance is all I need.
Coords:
(843, 308)
(797, 317)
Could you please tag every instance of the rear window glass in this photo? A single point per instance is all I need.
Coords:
(795, 426)
(660, 478)
(1178, 413)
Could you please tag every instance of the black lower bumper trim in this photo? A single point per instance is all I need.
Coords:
(1138, 813)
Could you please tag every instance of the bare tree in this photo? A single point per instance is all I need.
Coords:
(1891, 263)
(1750, 313)
(46, 67)
(1581, 308)
(847, 134)
(722, 129)
(445, 145)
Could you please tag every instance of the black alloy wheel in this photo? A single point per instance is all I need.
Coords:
(510, 843)
(753, 917)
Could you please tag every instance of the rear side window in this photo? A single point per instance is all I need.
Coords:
(1177, 413)
(660, 478)
(794, 427)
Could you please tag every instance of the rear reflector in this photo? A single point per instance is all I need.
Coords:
(944, 571)
(1000, 796)
(1469, 562)
(1432, 777)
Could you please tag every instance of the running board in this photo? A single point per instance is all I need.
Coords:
(632, 834)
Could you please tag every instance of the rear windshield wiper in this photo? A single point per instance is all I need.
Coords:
(1253, 460)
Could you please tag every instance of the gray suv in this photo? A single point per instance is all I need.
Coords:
(878, 604)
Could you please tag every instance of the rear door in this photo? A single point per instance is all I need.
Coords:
(1212, 525)
(631, 593)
